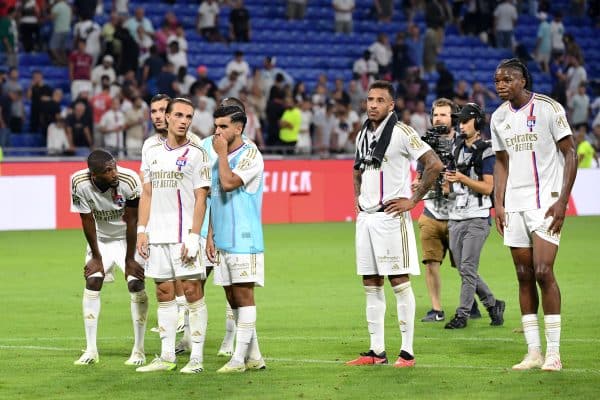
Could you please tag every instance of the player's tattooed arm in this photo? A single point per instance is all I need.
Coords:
(431, 170)
(357, 178)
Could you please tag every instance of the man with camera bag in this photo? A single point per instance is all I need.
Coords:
(433, 223)
(469, 226)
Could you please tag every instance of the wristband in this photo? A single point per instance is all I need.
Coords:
(141, 229)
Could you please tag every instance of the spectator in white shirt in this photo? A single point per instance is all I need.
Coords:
(176, 56)
(382, 53)
(106, 68)
(207, 21)
(57, 142)
(505, 17)
(419, 120)
(202, 120)
(239, 65)
(343, 15)
(112, 125)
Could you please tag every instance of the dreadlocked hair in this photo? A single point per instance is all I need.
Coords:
(515, 63)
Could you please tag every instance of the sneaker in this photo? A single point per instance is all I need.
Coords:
(193, 367)
(88, 358)
(369, 358)
(403, 363)
(457, 322)
(256, 364)
(224, 353)
(532, 360)
(434, 316)
(182, 346)
(158, 364)
(475, 313)
(181, 319)
(497, 313)
(231, 368)
(137, 358)
(552, 363)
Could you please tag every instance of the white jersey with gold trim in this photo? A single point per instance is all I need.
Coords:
(107, 207)
(174, 175)
(157, 138)
(530, 135)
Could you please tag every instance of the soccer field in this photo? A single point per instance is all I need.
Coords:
(310, 321)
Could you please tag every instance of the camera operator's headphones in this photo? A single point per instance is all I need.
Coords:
(441, 102)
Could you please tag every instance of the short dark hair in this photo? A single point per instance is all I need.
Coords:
(178, 100)
(515, 63)
(98, 159)
(233, 112)
(385, 85)
(233, 101)
(159, 97)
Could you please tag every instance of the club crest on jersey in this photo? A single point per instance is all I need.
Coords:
(531, 121)
(181, 162)
(118, 200)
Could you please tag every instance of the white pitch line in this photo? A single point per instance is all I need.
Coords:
(332, 362)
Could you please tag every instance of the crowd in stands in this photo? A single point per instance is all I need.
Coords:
(114, 69)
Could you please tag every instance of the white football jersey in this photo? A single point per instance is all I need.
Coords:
(157, 138)
(529, 136)
(392, 179)
(108, 207)
(174, 175)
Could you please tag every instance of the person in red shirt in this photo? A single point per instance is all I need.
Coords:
(101, 103)
(80, 70)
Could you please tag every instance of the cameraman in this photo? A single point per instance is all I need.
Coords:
(433, 223)
(471, 185)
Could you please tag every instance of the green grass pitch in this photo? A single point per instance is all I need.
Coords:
(310, 320)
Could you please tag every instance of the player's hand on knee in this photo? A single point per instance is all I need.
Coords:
(93, 266)
(142, 245)
(133, 268)
(191, 247)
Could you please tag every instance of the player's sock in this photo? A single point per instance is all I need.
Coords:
(91, 312)
(181, 302)
(167, 325)
(230, 327)
(254, 349)
(198, 317)
(552, 329)
(139, 316)
(375, 317)
(245, 327)
(531, 330)
(406, 307)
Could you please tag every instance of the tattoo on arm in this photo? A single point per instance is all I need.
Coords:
(433, 167)
(357, 177)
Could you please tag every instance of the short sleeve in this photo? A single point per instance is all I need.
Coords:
(497, 143)
(559, 127)
(202, 171)
(250, 169)
(412, 143)
(78, 202)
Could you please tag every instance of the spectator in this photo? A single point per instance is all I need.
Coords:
(120, 7)
(413, 90)
(128, 59)
(445, 83)
(85, 9)
(207, 21)
(112, 126)
(324, 121)
(14, 90)
(415, 45)
(135, 126)
(203, 81)
(202, 120)
(505, 18)
(339, 93)
(289, 124)
(239, 22)
(172, 24)
(579, 108)
(295, 9)
(269, 72)
(400, 57)
(151, 69)
(572, 48)
(176, 56)
(79, 127)
(344, 132)
(586, 154)
(383, 10)
(239, 65)
(29, 25)
(139, 19)
(111, 44)
(231, 84)
(431, 49)
(543, 45)
(185, 81)
(461, 94)
(144, 42)
(479, 95)
(275, 109)
(382, 54)
(557, 30)
(253, 129)
(100, 103)
(80, 69)
(61, 29)
(166, 82)
(576, 75)
(419, 119)
(37, 93)
(8, 39)
(49, 110)
(437, 13)
(558, 74)
(104, 69)
(365, 69)
(179, 36)
(90, 32)
(304, 143)
(343, 10)
(57, 142)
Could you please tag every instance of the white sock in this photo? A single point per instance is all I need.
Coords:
(406, 307)
(181, 304)
(139, 316)
(230, 328)
(531, 330)
(167, 325)
(198, 317)
(91, 312)
(552, 329)
(375, 317)
(246, 324)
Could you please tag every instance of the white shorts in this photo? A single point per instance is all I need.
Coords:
(233, 268)
(113, 255)
(386, 245)
(520, 226)
(164, 263)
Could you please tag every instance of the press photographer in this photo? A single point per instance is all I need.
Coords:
(471, 186)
